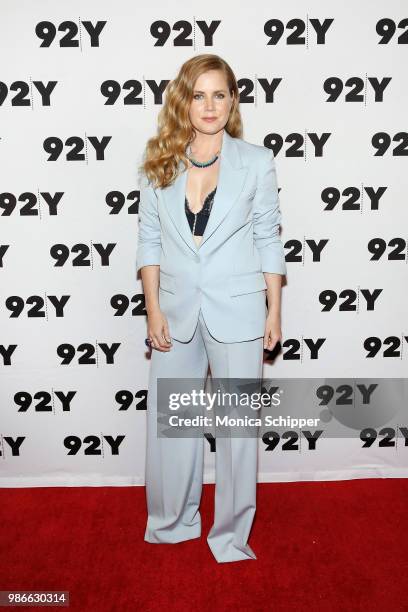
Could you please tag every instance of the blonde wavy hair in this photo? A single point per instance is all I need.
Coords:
(164, 151)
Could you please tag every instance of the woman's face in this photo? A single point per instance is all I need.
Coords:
(211, 98)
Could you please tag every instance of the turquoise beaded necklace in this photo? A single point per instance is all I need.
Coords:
(199, 164)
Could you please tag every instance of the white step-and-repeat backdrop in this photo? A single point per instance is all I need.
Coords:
(325, 85)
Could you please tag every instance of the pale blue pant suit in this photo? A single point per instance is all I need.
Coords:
(174, 466)
(219, 284)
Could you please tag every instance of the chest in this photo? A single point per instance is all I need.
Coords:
(200, 182)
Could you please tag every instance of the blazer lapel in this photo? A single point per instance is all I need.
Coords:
(231, 180)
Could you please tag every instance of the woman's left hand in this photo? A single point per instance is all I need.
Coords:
(273, 332)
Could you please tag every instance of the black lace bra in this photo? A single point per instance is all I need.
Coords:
(198, 221)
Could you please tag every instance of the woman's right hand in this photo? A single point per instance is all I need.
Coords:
(158, 330)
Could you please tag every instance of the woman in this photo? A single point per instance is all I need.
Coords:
(208, 248)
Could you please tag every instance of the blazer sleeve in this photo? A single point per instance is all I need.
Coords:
(267, 217)
(149, 229)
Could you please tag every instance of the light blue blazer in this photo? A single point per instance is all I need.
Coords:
(224, 274)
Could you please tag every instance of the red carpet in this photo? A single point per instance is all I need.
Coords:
(320, 546)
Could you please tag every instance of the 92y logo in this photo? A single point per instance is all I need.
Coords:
(90, 356)
(93, 445)
(84, 254)
(69, 33)
(315, 144)
(36, 306)
(61, 252)
(78, 147)
(355, 88)
(351, 197)
(24, 90)
(276, 30)
(161, 31)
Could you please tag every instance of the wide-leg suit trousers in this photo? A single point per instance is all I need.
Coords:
(174, 466)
